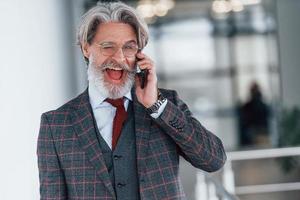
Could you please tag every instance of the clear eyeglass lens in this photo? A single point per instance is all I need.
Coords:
(129, 50)
(109, 50)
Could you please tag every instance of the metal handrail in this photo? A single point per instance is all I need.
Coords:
(213, 189)
(220, 189)
(228, 175)
(263, 153)
(210, 188)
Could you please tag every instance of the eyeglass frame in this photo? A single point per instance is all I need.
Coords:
(118, 47)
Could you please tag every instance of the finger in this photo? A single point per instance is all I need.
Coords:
(150, 68)
(145, 61)
(146, 66)
(151, 75)
(141, 55)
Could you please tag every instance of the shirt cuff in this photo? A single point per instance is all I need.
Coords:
(160, 110)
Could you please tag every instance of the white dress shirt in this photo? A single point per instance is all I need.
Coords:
(104, 112)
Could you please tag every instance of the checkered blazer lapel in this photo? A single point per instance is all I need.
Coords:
(85, 129)
(142, 132)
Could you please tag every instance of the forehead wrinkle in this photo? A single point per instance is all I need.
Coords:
(116, 32)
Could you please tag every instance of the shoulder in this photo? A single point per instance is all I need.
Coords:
(68, 106)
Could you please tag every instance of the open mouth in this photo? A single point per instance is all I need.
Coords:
(115, 74)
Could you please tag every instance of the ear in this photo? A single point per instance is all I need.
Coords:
(85, 48)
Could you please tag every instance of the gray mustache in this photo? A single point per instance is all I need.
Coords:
(109, 64)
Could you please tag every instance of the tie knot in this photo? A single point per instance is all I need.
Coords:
(116, 102)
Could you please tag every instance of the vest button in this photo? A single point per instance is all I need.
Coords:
(121, 185)
(117, 157)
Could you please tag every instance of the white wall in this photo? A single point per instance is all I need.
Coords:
(35, 76)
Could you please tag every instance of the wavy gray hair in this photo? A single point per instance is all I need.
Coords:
(105, 12)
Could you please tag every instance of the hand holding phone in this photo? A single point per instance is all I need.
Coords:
(146, 80)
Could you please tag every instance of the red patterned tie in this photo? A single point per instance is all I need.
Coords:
(119, 119)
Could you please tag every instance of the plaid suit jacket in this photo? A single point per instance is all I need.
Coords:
(71, 165)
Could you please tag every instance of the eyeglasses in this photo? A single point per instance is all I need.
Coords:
(129, 49)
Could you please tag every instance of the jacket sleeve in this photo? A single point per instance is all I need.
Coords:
(196, 144)
(52, 182)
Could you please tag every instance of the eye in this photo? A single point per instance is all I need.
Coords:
(107, 47)
(129, 47)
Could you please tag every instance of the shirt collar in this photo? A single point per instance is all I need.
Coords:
(96, 98)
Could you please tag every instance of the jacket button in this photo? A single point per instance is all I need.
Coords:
(117, 157)
(121, 185)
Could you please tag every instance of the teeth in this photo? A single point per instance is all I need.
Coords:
(117, 69)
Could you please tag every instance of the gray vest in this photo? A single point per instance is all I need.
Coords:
(121, 163)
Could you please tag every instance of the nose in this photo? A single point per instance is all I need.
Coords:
(119, 55)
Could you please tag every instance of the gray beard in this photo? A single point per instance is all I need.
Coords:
(105, 88)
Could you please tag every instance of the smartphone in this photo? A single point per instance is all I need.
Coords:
(142, 74)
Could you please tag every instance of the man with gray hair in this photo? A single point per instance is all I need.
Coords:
(122, 137)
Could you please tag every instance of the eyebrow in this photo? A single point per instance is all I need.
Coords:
(131, 41)
(110, 42)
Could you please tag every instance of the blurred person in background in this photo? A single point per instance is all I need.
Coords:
(253, 119)
(120, 139)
